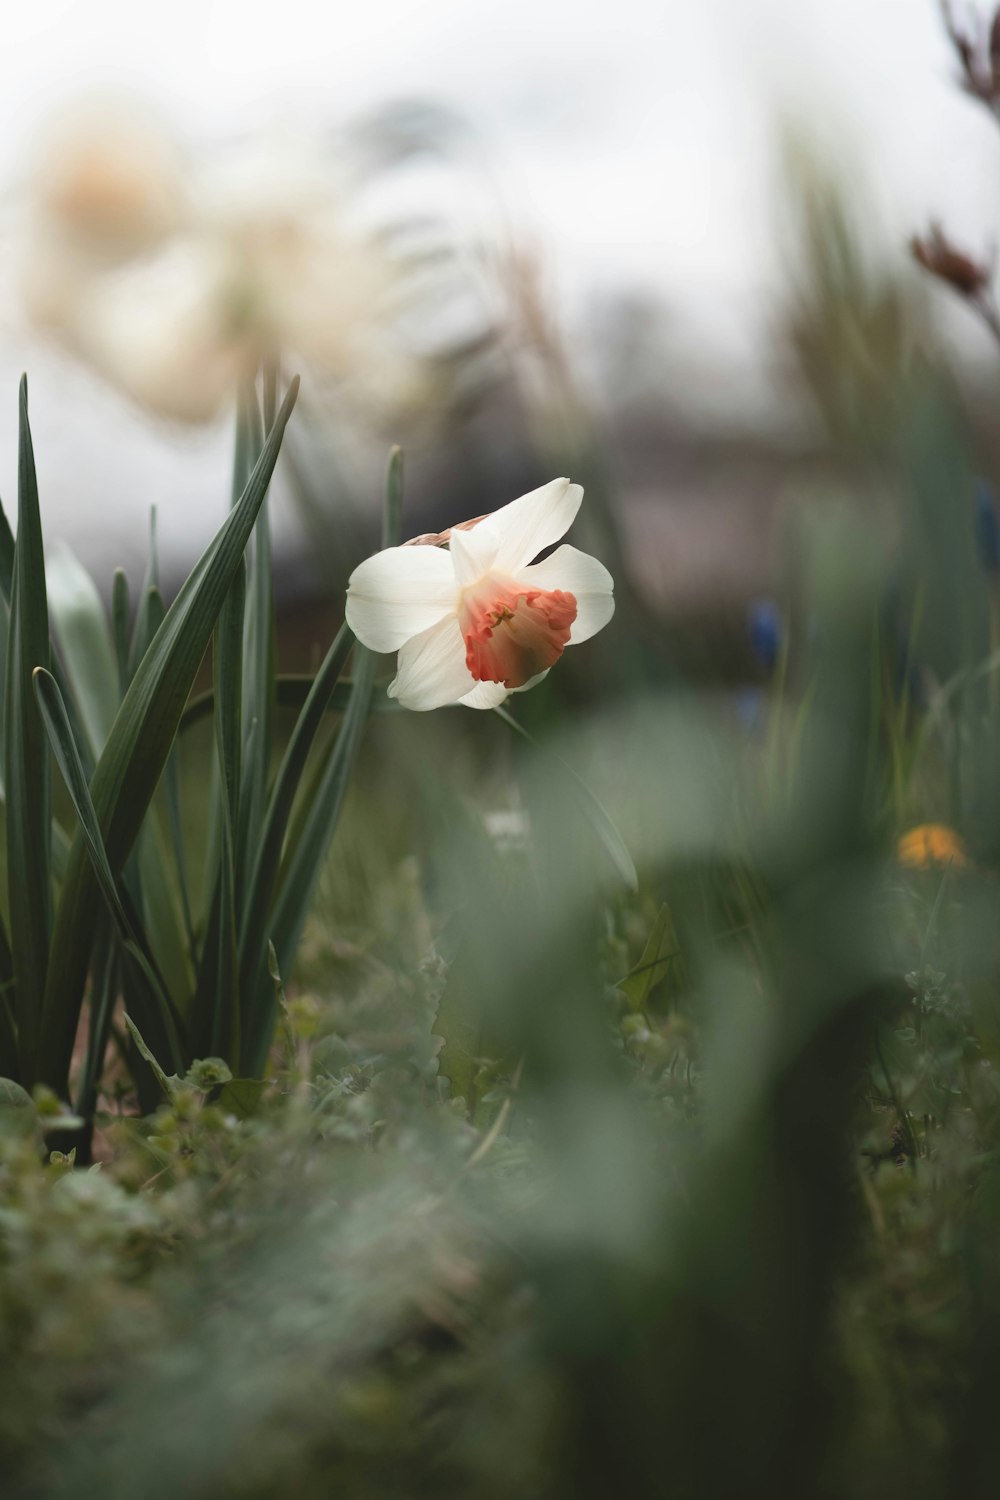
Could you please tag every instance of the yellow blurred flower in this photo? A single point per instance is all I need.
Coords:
(931, 844)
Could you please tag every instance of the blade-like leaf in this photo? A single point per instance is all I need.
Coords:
(149, 611)
(6, 556)
(314, 830)
(8, 1031)
(26, 763)
(119, 627)
(291, 693)
(253, 927)
(78, 619)
(57, 726)
(138, 746)
(258, 670)
(104, 993)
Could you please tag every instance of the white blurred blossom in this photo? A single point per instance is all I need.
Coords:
(175, 276)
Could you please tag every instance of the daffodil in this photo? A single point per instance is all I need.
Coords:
(482, 619)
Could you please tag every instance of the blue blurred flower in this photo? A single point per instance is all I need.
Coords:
(766, 633)
(987, 526)
(751, 709)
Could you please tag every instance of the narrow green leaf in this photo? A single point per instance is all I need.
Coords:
(163, 901)
(26, 762)
(144, 627)
(85, 647)
(259, 672)
(215, 1020)
(8, 1030)
(267, 861)
(292, 690)
(6, 557)
(168, 1083)
(64, 748)
(228, 675)
(310, 840)
(119, 627)
(660, 951)
(103, 995)
(138, 746)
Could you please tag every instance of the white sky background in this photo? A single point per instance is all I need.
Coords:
(633, 141)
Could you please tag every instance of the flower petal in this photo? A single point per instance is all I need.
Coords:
(528, 525)
(431, 670)
(485, 695)
(398, 593)
(581, 575)
(473, 552)
(533, 681)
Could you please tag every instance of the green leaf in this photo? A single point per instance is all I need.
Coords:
(169, 1083)
(78, 618)
(313, 831)
(292, 691)
(253, 925)
(56, 721)
(103, 995)
(150, 604)
(258, 669)
(18, 1115)
(242, 1097)
(6, 557)
(119, 627)
(660, 952)
(8, 1029)
(26, 763)
(138, 746)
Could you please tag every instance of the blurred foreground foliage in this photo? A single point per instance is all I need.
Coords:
(556, 1188)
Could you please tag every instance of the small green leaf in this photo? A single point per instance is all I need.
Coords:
(242, 1097)
(660, 952)
(18, 1115)
(207, 1073)
(168, 1083)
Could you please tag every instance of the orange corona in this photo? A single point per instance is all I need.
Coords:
(513, 634)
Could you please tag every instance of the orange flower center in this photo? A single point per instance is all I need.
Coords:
(512, 634)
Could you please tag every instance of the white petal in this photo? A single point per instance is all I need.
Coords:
(485, 695)
(431, 671)
(533, 681)
(528, 525)
(473, 553)
(398, 593)
(586, 579)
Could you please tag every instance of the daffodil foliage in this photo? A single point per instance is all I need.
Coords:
(104, 919)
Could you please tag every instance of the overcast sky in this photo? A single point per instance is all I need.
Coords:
(633, 140)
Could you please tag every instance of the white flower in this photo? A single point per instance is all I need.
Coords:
(482, 620)
(176, 277)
